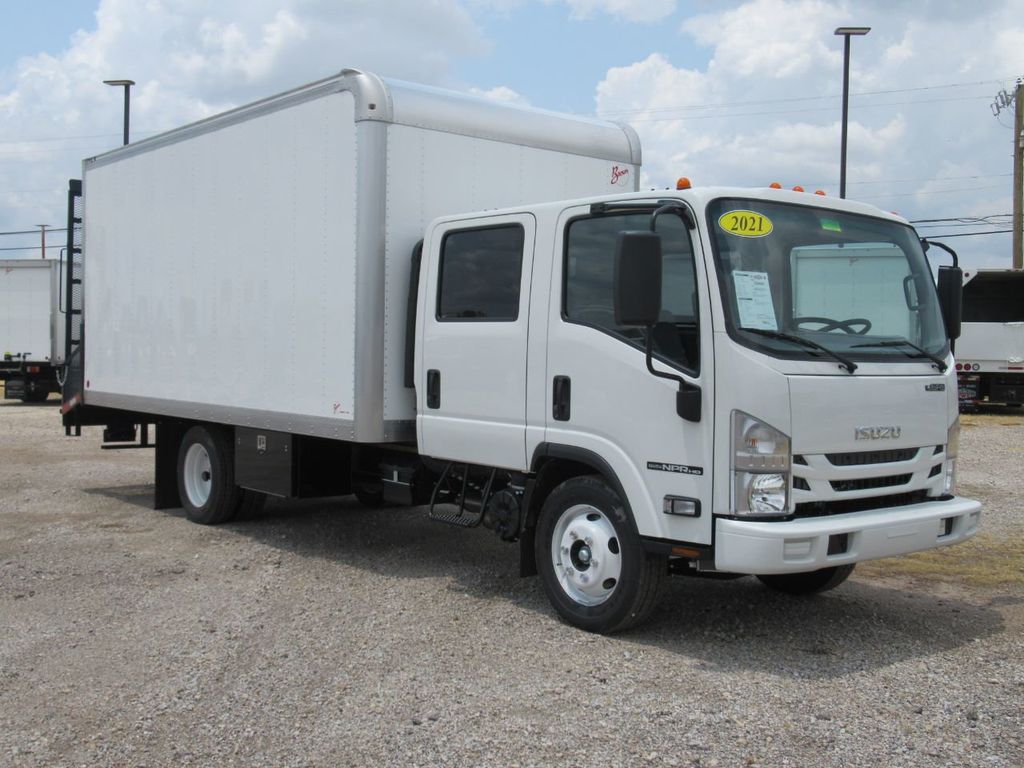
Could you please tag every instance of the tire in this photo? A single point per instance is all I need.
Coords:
(206, 476)
(594, 570)
(809, 583)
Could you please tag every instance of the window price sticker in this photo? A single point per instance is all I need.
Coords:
(754, 300)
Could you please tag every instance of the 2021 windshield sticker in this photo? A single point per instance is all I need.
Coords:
(745, 224)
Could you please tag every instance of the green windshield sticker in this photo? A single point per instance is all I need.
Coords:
(831, 225)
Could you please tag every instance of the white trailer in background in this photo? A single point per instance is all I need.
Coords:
(31, 328)
(990, 350)
(374, 288)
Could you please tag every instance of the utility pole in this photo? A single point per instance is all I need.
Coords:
(1018, 174)
(42, 235)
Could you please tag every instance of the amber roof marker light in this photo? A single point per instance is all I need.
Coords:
(846, 33)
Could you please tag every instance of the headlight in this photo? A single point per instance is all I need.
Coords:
(952, 449)
(761, 465)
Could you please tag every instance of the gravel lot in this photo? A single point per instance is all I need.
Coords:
(327, 634)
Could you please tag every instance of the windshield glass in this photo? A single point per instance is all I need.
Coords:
(847, 282)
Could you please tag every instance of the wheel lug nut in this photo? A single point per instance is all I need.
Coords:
(588, 541)
(573, 536)
(565, 550)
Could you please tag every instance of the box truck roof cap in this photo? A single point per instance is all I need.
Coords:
(398, 102)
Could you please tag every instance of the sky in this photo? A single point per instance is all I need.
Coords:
(741, 92)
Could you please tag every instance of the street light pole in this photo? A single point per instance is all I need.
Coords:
(846, 33)
(127, 100)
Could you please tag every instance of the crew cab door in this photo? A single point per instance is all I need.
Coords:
(474, 306)
(602, 400)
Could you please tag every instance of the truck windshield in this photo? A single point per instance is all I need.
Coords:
(846, 282)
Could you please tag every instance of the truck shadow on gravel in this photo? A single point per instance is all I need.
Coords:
(736, 625)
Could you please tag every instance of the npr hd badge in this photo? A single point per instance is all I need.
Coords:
(682, 469)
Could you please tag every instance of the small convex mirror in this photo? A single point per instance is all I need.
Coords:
(637, 278)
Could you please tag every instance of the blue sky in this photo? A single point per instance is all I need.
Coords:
(739, 92)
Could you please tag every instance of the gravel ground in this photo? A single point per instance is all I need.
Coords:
(327, 634)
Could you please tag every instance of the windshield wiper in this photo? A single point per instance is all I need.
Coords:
(845, 362)
(939, 362)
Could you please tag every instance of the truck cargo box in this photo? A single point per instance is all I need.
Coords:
(253, 268)
(30, 326)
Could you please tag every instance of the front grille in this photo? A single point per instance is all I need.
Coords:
(801, 484)
(871, 457)
(867, 483)
(822, 508)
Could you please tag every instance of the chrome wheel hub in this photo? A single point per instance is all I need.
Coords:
(585, 554)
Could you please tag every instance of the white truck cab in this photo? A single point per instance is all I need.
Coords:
(800, 416)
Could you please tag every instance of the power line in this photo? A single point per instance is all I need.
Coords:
(798, 98)
(792, 111)
(973, 234)
(962, 218)
(34, 231)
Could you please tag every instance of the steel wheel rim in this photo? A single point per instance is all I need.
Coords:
(586, 555)
(197, 474)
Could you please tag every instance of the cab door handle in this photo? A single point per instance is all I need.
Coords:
(433, 388)
(561, 395)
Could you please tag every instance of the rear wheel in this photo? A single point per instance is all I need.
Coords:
(206, 476)
(809, 583)
(594, 569)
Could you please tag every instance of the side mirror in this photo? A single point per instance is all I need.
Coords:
(637, 278)
(950, 286)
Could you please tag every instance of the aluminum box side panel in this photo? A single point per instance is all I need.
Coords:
(994, 346)
(436, 173)
(221, 271)
(28, 296)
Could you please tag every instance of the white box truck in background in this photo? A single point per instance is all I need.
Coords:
(31, 328)
(990, 350)
(374, 288)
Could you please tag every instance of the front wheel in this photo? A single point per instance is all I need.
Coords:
(593, 567)
(206, 476)
(809, 583)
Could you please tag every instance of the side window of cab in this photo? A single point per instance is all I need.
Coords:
(587, 285)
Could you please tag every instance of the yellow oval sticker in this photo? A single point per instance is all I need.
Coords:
(745, 223)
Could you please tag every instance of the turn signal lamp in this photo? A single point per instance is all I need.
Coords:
(775, 185)
(798, 188)
(683, 183)
(820, 192)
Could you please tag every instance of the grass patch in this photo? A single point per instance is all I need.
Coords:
(984, 561)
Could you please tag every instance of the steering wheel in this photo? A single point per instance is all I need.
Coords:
(829, 324)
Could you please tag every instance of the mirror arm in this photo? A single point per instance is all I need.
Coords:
(688, 398)
(679, 210)
(926, 244)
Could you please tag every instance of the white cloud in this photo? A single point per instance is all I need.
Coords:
(192, 59)
(766, 106)
(502, 94)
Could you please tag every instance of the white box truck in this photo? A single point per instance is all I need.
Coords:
(31, 328)
(990, 350)
(373, 288)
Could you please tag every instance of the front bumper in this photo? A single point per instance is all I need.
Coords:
(802, 545)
